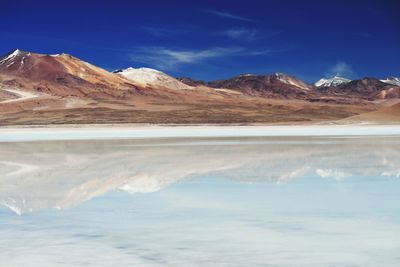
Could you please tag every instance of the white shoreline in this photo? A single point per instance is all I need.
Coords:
(157, 131)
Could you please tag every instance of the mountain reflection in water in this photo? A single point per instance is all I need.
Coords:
(283, 202)
(62, 174)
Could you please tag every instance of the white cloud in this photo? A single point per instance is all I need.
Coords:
(194, 56)
(165, 58)
(341, 69)
(241, 34)
(228, 15)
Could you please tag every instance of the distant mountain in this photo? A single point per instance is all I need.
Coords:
(261, 81)
(60, 74)
(366, 88)
(276, 85)
(151, 78)
(392, 80)
(42, 89)
(365, 85)
(283, 86)
(334, 81)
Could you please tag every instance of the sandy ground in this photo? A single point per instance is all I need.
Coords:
(158, 131)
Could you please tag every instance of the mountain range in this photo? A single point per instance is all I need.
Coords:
(58, 89)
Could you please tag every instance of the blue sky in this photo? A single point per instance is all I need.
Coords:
(213, 39)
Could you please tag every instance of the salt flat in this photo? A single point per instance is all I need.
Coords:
(158, 131)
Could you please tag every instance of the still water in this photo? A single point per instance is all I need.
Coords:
(259, 201)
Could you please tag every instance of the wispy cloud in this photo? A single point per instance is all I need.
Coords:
(228, 15)
(341, 68)
(363, 35)
(263, 52)
(168, 59)
(162, 31)
(241, 34)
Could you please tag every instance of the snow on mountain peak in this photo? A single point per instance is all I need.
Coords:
(392, 80)
(151, 77)
(16, 52)
(11, 55)
(334, 81)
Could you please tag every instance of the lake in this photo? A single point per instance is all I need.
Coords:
(201, 201)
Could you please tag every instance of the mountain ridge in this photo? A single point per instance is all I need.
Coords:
(60, 88)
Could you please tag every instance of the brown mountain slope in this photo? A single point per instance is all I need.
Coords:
(366, 88)
(390, 114)
(277, 85)
(191, 82)
(60, 68)
(57, 89)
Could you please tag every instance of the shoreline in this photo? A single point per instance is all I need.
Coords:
(142, 131)
(244, 124)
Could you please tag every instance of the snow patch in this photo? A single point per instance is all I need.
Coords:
(12, 55)
(392, 81)
(334, 81)
(152, 77)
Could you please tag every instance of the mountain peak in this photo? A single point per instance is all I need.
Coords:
(392, 80)
(279, 74)
(333, 81)
(15, 52)
(151, 77)
(247, 75)
(11, 54)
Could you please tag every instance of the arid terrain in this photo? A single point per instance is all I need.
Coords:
(37, 89)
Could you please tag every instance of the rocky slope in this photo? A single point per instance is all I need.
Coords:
(366, 88)
(392, 80)
(60, 68)
(42, 89)
(277, 85)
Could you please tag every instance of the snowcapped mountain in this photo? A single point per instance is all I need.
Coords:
(60, 88)
(13, 60)
(10, 56)
(152, 78)
(334, 81)
(62, 69)
(392, 80)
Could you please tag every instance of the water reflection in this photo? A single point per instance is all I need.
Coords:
(61, 174)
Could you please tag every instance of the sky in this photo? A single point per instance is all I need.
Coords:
(211, 40)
